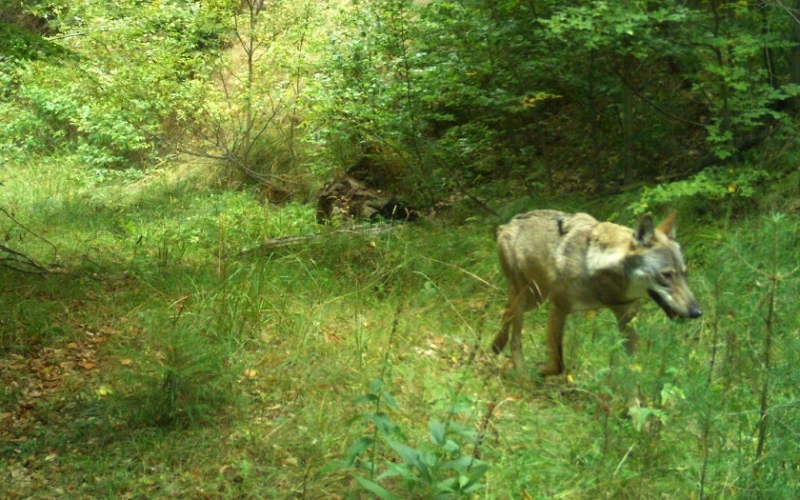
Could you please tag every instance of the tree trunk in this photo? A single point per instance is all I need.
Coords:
(794, 58)
(627, 119)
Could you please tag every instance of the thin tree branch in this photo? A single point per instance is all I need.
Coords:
(20, 258)
(658, 108)
(29, 231)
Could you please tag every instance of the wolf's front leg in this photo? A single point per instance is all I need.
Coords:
(624, 317)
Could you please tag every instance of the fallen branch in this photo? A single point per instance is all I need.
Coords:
(15, 258)
(25, 228)
(275, 243)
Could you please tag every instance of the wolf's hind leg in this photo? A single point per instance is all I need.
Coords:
(520, 299)
(501, 339)
(516, 339)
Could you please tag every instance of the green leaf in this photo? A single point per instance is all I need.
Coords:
(376, 489)
(472, 488)
(438, 432)
(447, 487)
(358, 448)
(390, 400)
(385, 425)
(451, 447)
(411, 457)
(461, 464)
(429, 458)
(401, 470)
(375, 386)
(478, 470)
(366, 398)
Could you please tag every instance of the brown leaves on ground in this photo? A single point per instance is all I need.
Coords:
(38, 375)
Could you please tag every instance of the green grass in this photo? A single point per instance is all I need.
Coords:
(162, 363)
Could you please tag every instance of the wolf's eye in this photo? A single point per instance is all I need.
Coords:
(667, 275)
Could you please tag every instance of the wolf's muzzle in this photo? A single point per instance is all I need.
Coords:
(693, 311)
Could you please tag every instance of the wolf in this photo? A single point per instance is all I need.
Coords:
(580, 264)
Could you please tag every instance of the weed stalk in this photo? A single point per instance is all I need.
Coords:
(711, 364)
(769, 325)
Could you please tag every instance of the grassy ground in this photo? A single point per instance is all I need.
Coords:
(162, 362)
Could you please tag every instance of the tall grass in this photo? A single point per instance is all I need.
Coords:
(161, 362)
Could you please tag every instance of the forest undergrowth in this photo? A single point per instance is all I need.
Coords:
(157, 359)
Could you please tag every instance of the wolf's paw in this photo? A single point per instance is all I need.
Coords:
(550, 369)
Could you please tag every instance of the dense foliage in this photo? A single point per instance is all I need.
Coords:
(540, 91)
(446, 94)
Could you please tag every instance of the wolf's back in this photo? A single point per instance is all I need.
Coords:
(536, 246)
(544, 229)
(531, 233)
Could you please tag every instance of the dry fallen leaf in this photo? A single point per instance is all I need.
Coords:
(51, 383)
(331, 337)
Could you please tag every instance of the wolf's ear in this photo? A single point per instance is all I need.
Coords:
(667, 226)
(644, 232)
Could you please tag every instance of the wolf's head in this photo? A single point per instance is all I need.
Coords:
(660, 264)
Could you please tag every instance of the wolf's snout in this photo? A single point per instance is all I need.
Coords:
(695, 312)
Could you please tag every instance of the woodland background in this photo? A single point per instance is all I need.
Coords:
(155, 341)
